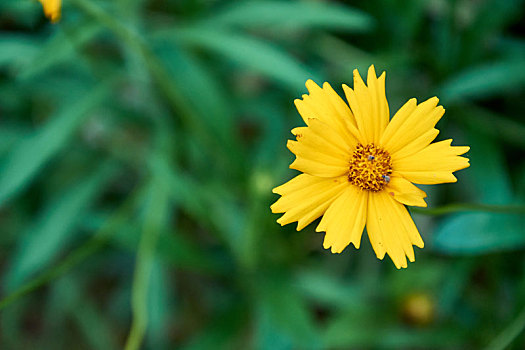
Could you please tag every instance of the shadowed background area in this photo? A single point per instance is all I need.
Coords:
(140, 141)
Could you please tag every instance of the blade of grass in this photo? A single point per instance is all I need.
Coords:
(297, 15)
(33, 152)
(90, 247)
(161, 76)
(155, 217)
(484, 80)
(257, 55)
(49, 234)
(60, 49)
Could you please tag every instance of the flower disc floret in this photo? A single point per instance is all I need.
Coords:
(370, 167)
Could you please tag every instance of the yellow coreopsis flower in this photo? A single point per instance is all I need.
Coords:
(359, 167)
(52, 9)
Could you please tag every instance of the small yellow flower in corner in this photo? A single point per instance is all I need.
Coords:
(52, 9)
(359, 167)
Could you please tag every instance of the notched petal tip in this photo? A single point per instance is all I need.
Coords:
(312, 86)
(273, 208)
(326, 85)
(372, 72)
(309, 82)
(357, 78)
(290, 144)
(434, 100)
(297, 101)
(337, 250)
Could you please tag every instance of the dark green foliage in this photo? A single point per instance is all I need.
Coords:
(140, 141)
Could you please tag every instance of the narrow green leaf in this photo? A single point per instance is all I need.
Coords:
(112, 225)
(155, 218)
(9, 135)
(284, 318)
(478, 233)
(16, 49)
(52, 231)
(33, 152)
(92, 323)
(327, 290)
(485, 80)
(278, 15)
(160, 303)
(211, 103)
(60, 49)
(255, 54)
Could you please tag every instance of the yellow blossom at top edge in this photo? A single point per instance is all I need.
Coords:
(358, 167)
(52, 9)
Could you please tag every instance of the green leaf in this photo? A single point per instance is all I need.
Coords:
(478, 233)
(255, 54)
(9, 135)
(52, 230)
(211, 103)
(327, 290)
(278, 15)
(16, 50)
(160, 303)
(98, 331)
(485, 80)
(156, 210)
(283, 316)
(34, 151)
(62, 48)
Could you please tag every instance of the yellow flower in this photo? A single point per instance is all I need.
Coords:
(51, 9)
(359, 167)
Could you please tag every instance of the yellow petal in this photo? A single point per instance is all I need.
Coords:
(51, 9)
(379, 103)
(434, 164)
(339, 105)
(320, 135)
(323, 155)
(410, 123)
(418, 144)
(324, 104)
(369, 105)
(391, 229)
(405, 192)
(428, 177)
(318, 162)
(344, 220)
(305, 198)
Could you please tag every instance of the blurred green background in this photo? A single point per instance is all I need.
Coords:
(140, 141)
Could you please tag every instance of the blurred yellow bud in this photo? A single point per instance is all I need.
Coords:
(418, 309)
(52, 9)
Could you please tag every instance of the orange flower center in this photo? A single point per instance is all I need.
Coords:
(370, 167)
